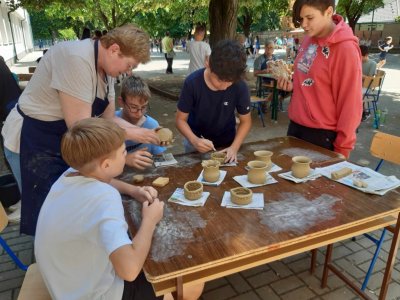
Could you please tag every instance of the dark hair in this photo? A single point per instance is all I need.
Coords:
(228, 61)
(321, 5)
(97, 34)
(85, 33)
(364, 50)
(104, 32)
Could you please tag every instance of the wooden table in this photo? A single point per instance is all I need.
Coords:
(275, 96)
(199, 244)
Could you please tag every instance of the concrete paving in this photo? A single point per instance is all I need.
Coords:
(285, 279)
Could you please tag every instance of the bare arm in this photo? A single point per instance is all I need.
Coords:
(202, 145)
(74, 109)
(137, 134)
(128, 260)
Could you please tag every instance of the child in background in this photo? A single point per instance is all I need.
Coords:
(326, 105)
(82, 246)
(384, 48)
(134, 100)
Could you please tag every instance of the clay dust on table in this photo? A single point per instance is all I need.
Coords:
(297, 214)
(314, 155)
(172, 233)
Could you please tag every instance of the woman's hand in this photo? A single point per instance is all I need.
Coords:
(139, 159)
(142, 135)
(284, 84)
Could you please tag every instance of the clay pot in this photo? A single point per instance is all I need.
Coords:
(301, 166)
(165, 135)
(241, 195)
(257, 172)
(193, 190)
(264, 155)
(211, 170)
(219, 156)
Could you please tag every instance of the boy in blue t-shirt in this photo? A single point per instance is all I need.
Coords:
(134, 99)
(209, 98)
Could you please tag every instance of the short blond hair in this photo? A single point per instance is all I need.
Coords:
(90, 139)
(132, 41)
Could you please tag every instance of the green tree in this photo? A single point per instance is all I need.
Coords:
(354, 9)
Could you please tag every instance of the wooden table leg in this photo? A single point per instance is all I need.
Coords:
(328, 257)
(178, 294)
(390, 262)
(275, 104)
(313, 260)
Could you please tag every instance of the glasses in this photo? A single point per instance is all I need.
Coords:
(135, 109)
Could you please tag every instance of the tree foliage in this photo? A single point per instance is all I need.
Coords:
(354, 9)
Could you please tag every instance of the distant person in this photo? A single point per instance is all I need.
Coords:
(199, 51)
(209, 99)
(97, 35)
(368, 65)
(134, 100)
(168, 49)
(85, 33)
(257, 46)
(104, 32)
(326, 104)
(384, 48)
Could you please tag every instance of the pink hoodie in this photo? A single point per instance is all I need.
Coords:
(327, 85)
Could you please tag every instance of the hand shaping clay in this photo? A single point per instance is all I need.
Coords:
(137, 178)
(160, 181)
(165, 135)
(360, 183)
(341, 173)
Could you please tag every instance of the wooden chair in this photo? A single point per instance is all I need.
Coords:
(372, 86)
(3, 224)
(33, 287)
(256, 103)
(386, 147)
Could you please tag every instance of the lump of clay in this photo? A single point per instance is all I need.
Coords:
(137, 178)
(160, 181)
(360, 183)
(341, 173)
(165, 135)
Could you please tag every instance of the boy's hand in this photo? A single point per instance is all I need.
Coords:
(153, 212)
(143, 135)
(139, 159)
(203, 145)
(284, 84)
(231, 154)
(145, 193)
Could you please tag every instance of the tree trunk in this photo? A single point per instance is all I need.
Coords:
(223, 20)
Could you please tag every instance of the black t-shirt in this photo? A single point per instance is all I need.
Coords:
(212, 113)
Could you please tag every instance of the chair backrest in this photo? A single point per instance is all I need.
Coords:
(386, 146)
(3, 218)
(372, 82)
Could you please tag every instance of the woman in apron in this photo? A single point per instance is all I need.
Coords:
(69, 85)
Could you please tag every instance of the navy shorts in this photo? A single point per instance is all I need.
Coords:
(139, 289)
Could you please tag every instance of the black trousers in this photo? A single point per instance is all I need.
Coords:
(139, 289)
(169, 62)
(320, 137)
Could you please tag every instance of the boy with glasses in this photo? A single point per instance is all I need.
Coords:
(134, 100)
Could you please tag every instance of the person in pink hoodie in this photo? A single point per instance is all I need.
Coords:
(326, 104)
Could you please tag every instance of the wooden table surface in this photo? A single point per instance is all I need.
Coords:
(190, 240)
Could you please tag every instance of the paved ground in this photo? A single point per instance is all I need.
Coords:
(285, 279)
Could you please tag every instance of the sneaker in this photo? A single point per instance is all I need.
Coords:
(365, 116)
(15, 216)
(14, 207)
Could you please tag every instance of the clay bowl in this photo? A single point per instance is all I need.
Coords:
(264, 155)
(193, 190)
(301, 166)
(241, 195)
(165, 135)
(219, 156)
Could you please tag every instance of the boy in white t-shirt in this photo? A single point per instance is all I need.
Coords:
(82, 247)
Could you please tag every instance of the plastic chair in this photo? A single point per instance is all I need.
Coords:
(372, 86)
(386, 147)
(3, 224)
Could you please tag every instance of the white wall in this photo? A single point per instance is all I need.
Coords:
(21, 28)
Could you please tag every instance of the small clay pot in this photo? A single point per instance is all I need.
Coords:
(219, 156)
(165, 135)
(193, 190)
(241, 195)
(301, 166)
(257, 172)
(211, 171)
(264, 155)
